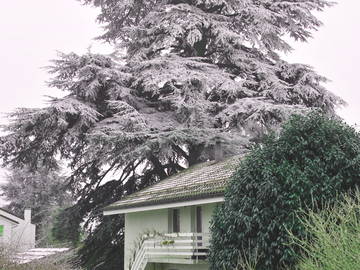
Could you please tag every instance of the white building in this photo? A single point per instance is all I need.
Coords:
(167, 224)
(15, 232)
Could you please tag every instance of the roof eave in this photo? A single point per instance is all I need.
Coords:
(173, 203)
(10, 219)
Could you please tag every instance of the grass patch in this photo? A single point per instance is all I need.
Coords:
(334, 237)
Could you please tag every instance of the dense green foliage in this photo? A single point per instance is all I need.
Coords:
(335, 241)
(185, 74)
(312, 160)
(66, 228)
(103, 247)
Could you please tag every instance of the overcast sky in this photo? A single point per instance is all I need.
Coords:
(335, 53)
(32, 32)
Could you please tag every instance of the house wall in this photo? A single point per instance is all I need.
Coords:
(184, 267)
(23, 237)
(138, 223)
(185, 219)
(208, 210)
(18, 236)
(166, 266)
(8, 228)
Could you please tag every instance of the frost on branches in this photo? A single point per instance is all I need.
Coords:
(194, 72)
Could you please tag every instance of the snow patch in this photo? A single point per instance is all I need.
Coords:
(36, 254)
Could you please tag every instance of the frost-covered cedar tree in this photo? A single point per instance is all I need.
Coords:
(193, 72)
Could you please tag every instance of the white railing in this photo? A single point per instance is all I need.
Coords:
(140, 260)
(175, 247)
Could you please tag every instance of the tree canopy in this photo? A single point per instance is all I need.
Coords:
(314, 159)
(187, 73)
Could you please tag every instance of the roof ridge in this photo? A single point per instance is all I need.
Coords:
(192, 182)
(212, 162)
(167, 189)
(166, 179)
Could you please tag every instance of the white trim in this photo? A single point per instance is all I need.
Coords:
(163, 206)
(10, 216)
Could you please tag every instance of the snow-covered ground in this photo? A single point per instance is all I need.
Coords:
(37, 253)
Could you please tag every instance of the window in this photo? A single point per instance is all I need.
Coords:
(1, 230)
(198, 219)
(199, 224)
(176, 220)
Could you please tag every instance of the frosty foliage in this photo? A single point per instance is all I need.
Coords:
(195, 72)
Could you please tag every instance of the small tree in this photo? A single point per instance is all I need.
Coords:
(313, 159)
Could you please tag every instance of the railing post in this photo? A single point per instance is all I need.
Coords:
(194, 245)
(197, 249)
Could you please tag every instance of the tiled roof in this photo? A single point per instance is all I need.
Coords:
(204, 180)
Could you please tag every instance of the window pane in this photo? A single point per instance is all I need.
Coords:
(198, 219)
(176, 220)
(1, 230)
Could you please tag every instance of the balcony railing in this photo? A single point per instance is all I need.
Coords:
(183, 248)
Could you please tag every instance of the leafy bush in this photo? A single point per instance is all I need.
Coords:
(103, 247)
(312, 160)
(335, 241)
(66, 226)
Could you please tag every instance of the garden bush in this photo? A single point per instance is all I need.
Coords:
(312, 160)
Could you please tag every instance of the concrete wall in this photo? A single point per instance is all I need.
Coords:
(23, 237)
(184, 267)
(19, 236)
(8, 231)
(185, 219)
(136, 224)
(166, 266)
(207, 212)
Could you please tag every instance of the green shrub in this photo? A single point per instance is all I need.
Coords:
(312, 160)
(335, 241)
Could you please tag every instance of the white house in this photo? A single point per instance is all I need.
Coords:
(167, 224)
(16, 232)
